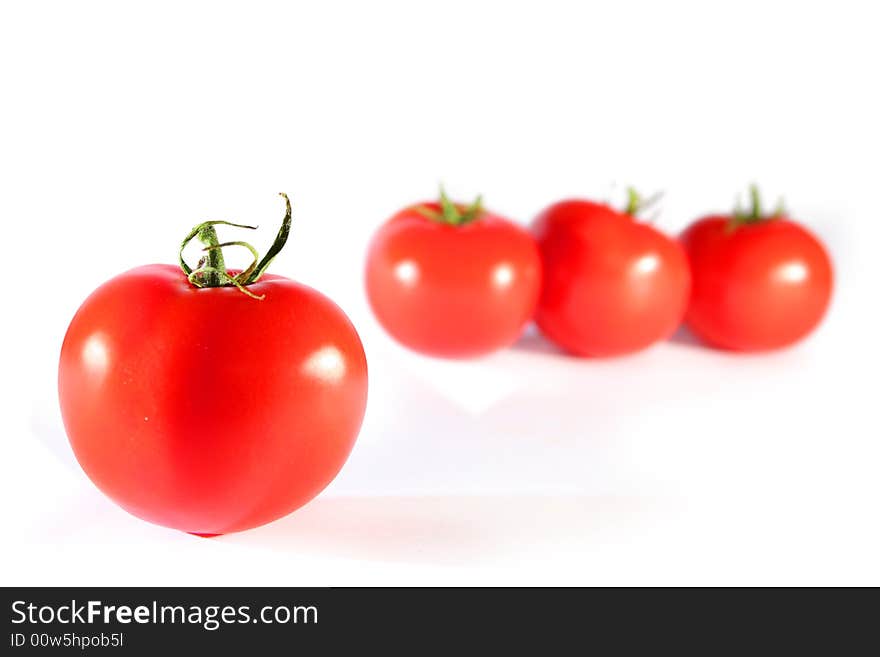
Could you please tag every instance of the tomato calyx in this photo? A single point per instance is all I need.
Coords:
(452, 213)
(755, 213)
(211, 269)
(636, 204)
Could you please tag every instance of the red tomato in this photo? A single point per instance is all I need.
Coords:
(612, 285)
(451, 281)
(207, 410)
(759, 282)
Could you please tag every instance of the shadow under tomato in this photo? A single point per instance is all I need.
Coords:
(685, 337)
(533, 342)
(441, 529)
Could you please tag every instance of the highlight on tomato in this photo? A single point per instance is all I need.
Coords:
(613, 284)
(452, 280)
(211, 400)
(760, 280)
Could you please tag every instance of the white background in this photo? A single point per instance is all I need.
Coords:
(122, 125)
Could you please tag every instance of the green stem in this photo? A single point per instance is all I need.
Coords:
(636, 204)
(755, 214)
(211, 270)
(245, 273)
(194, 233)
(633, 202)
(277, 245)
(452, 214)
(755, 195)
(213, 258)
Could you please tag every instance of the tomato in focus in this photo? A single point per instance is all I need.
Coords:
(205, 409)
(612, 285)
(452, 281)
(759, 282)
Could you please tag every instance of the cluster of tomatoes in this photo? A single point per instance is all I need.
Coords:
(213, 400)
(458, 281)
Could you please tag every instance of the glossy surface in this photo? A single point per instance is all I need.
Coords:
(206, 410)
(759, 286)
(453, 291)
(612, 285)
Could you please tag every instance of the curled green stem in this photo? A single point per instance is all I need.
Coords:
(277, 245)
(245, 274)
(211, 270)
(223, 276)
(208, 236)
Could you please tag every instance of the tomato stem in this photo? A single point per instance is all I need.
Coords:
(452, 213)
(755, 195)
(211, 270)
(755, 213)
(635, 204)
(212, 261)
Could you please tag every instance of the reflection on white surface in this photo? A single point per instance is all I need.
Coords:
(503, 275)
(95, 354)
(792, 272)
(327, 363)
(406, 272)
(646, 264)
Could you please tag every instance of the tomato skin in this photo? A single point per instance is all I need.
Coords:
(758, 286)
(612, 285)
(206, 410)
(452, 291)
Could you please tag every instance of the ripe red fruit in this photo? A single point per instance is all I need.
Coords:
(612, 285)
(760, 281)
(214, 404)
(453, 281)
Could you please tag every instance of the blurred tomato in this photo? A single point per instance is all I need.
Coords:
(760, 281)
(612, 285)
(453, 281)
